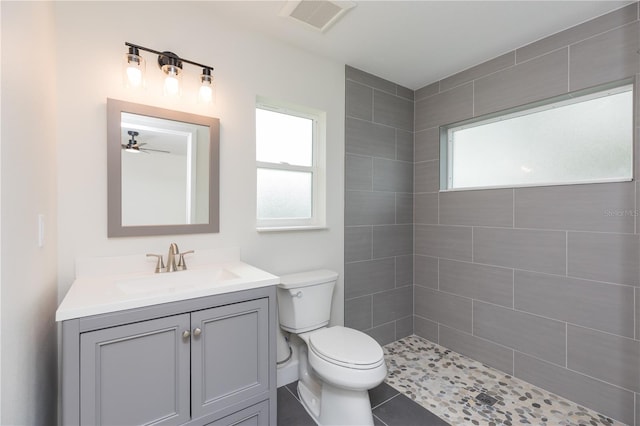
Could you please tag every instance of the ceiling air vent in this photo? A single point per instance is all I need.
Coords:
(318, 14)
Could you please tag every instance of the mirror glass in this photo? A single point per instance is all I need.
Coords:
(163, 171)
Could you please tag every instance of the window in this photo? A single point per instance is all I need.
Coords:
(579, 138)
(290, 166)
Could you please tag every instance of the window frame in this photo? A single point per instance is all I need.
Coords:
(446, 142)
(317, 168)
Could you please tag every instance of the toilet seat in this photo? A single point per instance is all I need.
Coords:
(346, 347)
(346, 358)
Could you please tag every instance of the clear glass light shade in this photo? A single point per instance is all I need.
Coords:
(172, 80)
(206, 94)
(133, 69)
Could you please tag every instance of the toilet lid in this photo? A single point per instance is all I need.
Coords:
(346, 346)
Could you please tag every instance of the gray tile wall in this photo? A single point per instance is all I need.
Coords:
(379, 206)
(542, 283)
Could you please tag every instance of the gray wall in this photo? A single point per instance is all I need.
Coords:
(379, 207)
(537, 282)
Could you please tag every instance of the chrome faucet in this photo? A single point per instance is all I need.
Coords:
(172, 266)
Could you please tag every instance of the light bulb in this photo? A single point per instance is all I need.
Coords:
(172, 80)
(134, 76)
(171, 86)
(205, 94)
(133, 69)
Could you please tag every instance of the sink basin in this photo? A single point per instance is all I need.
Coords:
(175, 281)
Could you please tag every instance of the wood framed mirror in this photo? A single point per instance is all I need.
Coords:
(163, 171)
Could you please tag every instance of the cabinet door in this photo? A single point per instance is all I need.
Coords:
(229, 356)
(136, 374)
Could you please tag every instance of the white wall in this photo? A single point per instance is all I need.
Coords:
(90, 40)
(0, 211)
(28, 188)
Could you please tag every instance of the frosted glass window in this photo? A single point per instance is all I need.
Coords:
(284, 138)
(583, 139)
(284, 194)
(290, 191)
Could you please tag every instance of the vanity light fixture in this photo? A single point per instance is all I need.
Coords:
(171, 65)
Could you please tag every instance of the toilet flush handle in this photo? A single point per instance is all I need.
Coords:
(298, 295)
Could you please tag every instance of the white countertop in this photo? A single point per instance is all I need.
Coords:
(97, 292)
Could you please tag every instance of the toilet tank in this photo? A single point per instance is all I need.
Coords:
(304, 300)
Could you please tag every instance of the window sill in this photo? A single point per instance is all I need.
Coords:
(290, 228)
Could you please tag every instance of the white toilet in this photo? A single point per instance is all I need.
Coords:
(338, 365)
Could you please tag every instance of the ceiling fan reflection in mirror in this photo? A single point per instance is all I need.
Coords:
(134, 147)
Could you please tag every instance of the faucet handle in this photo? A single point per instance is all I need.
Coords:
(159, 264)
(182, 265)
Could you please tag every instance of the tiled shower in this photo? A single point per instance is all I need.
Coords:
(542, 282)
(379, 207)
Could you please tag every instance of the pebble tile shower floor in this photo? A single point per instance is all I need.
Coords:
(447, 383)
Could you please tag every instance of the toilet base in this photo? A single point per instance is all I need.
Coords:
(335, 406)
(288, 372)
(328, 405)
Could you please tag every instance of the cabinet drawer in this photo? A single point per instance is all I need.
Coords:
(230, 355)
(256, 415)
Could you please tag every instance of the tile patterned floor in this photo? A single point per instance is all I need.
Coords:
(389, 408)
(446, 383)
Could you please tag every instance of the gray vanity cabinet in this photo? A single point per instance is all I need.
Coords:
(206, 361)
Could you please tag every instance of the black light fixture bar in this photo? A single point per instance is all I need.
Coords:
(168, 54)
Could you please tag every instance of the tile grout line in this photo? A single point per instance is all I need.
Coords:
(371, 307)
(472, 250)
(387, 400)
(438, 273)
(371, 235)
(472, 318)
(289, 390)
(379, 419)
(566, 345)
(566, 253)
(513, 284)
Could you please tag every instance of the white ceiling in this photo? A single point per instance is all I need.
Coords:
(414, 43)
